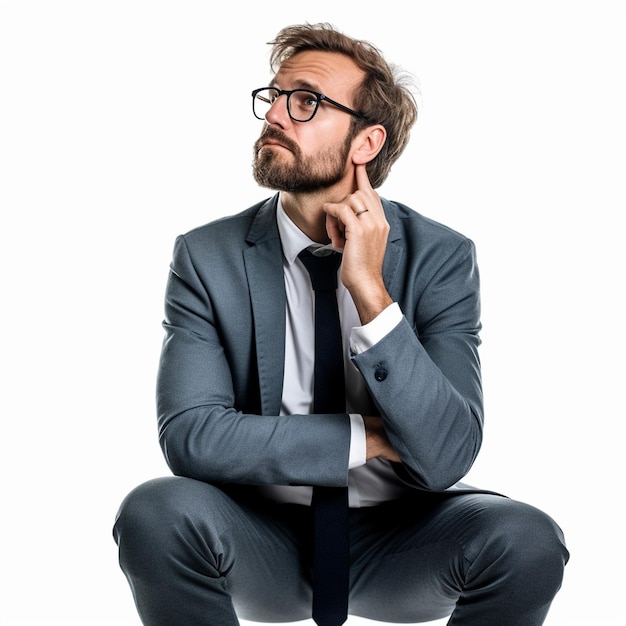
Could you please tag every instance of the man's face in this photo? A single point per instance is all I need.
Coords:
(308, 156)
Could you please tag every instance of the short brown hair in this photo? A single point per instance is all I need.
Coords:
(384, 97)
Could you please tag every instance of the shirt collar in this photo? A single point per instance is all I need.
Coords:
(293, 240)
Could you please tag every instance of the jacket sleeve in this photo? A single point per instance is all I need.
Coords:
(424, 376)
(207, 429)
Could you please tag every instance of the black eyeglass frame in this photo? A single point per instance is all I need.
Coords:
(320, 97)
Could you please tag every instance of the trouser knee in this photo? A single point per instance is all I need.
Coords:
(162, 517)
(530, 546)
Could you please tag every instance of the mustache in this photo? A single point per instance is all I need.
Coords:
(273, 133)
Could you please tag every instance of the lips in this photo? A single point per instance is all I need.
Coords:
(273, 139)
(273, 142)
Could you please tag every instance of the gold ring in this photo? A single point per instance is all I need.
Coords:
(359, 212)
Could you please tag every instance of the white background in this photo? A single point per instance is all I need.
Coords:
(125, 123)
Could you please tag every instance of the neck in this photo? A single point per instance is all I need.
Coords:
(306, 211)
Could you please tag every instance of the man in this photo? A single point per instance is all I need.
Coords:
(236, 531)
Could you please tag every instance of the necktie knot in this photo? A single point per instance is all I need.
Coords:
(322, 269)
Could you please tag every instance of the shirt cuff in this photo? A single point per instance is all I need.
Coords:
(364, 337)
(358, 452)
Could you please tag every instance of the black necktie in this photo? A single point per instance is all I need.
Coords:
(331, 567)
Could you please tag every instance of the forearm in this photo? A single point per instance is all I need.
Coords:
(221, 445)
(209, 432)
(433, 424)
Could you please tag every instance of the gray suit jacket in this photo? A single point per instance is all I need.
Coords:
(222, 363)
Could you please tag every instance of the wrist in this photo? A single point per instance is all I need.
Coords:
(370, 302)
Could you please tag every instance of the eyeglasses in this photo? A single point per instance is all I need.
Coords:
(302, 104)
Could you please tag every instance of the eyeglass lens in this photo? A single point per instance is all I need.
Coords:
(301, 104)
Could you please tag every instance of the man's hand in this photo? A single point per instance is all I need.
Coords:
(377, 443)
(358, 225)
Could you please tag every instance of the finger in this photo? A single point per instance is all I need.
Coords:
(334, 229)
(362, 179)
(344, 213)
(366, 193)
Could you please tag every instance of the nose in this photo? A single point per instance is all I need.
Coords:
(278, 113)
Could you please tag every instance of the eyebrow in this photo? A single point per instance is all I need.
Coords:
(299, 84)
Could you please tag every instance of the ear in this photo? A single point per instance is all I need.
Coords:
(368, 143)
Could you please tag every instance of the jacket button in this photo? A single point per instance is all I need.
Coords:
(380, 374)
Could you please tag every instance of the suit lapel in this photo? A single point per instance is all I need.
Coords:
(393, 254)
(264, 269)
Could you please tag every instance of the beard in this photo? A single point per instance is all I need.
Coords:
(302, 174)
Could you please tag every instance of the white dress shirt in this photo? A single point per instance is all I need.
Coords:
(368, 483)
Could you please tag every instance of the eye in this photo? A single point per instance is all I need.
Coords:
(304, 99)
